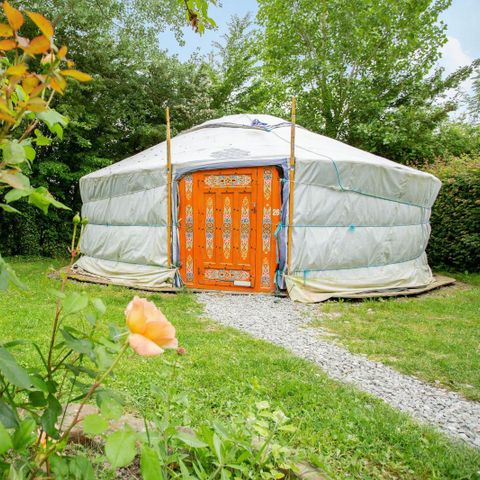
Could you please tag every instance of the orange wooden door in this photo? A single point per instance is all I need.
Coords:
(227, 220)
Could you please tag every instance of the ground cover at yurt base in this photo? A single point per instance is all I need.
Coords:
(226, 373)
(435, 337)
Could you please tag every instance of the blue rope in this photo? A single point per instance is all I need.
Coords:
(352, 226)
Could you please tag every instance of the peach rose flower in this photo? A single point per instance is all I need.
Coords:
(150, 331)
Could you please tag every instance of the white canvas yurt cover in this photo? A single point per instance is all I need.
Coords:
(360, 222)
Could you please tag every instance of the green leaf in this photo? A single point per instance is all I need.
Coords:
(56, 293)
(74, 302)
(42, 199)
(16, 180)
(39, 383)
(8, 416)
(51, 118)
(58, 131)
(13, 152)
(191, 439)
(99, 306)
(80, 345)
(40, 139)
(8, 208)
(12, 371)
(217, 445)
(60, 467)
(7, 276)
(120, 448)
(29, 152)
(16, 194)
(150, 465)
(5, 440)
(109, 407)
(80, 468)
(37, 399)
(24, 434)
(76, 467)
(102, 358)
(94, 424)
(50, 416)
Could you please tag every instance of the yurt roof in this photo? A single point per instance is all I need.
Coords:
(244, 137)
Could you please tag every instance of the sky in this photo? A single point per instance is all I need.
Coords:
(462, 19)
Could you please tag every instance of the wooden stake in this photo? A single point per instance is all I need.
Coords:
(169, 190)
(291, 183)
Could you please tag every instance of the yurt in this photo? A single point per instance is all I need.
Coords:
(254, 204)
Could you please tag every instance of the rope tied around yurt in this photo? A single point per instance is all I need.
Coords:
(351, 227)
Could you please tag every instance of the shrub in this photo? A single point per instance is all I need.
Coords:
(455, 239)
(34, 233)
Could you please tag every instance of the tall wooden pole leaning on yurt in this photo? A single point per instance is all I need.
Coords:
(169, 191)
(291, 183)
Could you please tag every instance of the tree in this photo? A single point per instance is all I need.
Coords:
(473, 101)
(239, 85)
(363, 72)
(118, 114)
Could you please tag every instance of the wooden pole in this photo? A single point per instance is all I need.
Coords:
(169, 190)
(291, 183)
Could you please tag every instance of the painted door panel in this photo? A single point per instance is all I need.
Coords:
(227, 221)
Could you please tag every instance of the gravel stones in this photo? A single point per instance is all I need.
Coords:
(285, 323)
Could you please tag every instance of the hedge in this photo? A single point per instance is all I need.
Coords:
(32, 233)
(455, 238)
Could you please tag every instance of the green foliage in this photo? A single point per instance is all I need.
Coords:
(454, 139)
(249, 446)
(364, 78)
(118, 114)
(473, 102)
(239, 86)
(455, 238)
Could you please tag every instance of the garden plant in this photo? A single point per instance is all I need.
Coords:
(35, 431)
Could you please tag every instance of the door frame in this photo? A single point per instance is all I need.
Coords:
(266, 264)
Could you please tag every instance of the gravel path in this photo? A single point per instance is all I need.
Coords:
(285, 323)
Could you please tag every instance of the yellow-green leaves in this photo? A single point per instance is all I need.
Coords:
(40, 44)
(17, 70)
(77, 75)
(14, 17)
(7, 45)
(42, 23)
(5, 30)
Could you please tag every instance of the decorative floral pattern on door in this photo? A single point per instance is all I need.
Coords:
(222, 181)
(188, 186)
(267, 184)
(209, 228)
(266, 229)
(244, 228)
(227, 275)
(189, 227)
(189, 269)
(227, 228)
(265, 279)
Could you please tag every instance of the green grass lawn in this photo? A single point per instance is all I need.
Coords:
(356, 435)
(435, 337)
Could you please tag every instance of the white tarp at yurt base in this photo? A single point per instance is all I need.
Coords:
(360, 222)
